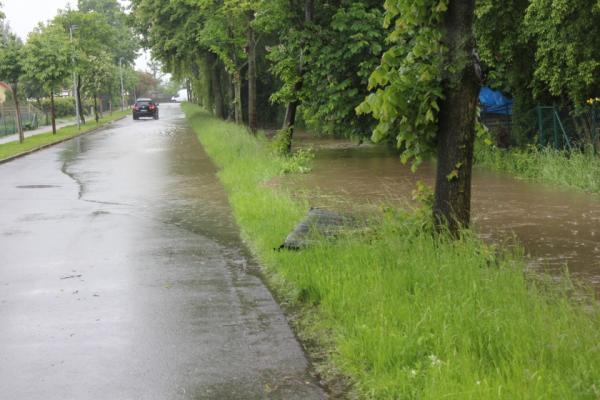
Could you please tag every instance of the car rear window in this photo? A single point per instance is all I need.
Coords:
(143, 103)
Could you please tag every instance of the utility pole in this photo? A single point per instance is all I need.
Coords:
(71, 27)
(122, 89)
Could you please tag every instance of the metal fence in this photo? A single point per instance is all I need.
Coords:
(547, 126)
(31, 118)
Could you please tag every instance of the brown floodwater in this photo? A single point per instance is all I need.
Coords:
(557, 227)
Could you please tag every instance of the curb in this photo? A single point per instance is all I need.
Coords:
(45, 146)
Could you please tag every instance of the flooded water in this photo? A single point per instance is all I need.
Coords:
(556, 226)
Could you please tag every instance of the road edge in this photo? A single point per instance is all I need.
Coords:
(47, 145)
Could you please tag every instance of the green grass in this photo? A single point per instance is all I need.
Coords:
(14, 148)
(403, 314)
(573, 169)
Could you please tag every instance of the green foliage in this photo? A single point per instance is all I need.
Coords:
(333, 57)
(100, 38)
(339, 59)
(63, 106)
(568, 43)
(101, 73)
(46, 57)
(299, 162)
(404, 313)
(408, 80)
(540, 50)
(11, 67)
(505, 49)
(282, 142)
(224, 32)
(174, 33)
(123, 42)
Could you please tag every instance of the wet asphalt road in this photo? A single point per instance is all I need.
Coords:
(122, 276)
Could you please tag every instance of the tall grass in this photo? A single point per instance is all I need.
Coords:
(404, 314)
(575, 169)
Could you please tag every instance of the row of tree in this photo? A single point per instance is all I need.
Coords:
(401, 70)
(88, 49)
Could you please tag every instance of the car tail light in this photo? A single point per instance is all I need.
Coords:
(151, 107)
(136, 108)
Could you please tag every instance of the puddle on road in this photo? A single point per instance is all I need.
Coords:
(556, 226)
(184, 190)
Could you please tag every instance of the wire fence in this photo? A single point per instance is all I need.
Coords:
(547, 126)
(31, 118)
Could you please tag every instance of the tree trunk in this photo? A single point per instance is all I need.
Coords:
(230, 98)
(289, 120)
(18, 116)
(188, 86)
(237, 84)
(456, 125)
(52, 112)
(215, 84)
(96, 116)
(81, 116)
(251, 38)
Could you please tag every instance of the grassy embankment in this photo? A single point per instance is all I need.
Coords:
(575, 169)
(402, 314)
(14, 148)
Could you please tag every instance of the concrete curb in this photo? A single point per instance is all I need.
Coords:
(45, 146)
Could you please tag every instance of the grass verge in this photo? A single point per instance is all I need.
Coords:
(402, 314)
(571, 169)
(12, 149)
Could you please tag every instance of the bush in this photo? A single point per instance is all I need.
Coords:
(64, 106)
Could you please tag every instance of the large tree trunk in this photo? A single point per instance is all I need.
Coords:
(290, 111)
(52, 112)
(251, 37)
(456, 125)
(18, 116)
(81, 116)
(215, 84)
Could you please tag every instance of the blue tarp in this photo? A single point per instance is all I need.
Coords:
(493, 102)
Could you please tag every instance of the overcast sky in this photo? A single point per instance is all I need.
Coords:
(24, 15)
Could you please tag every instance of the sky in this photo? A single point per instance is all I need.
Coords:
(24, 15)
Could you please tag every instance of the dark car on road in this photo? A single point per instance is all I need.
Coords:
(145, 108)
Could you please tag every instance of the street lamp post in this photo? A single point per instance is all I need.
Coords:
(122, 89)
(71, 28)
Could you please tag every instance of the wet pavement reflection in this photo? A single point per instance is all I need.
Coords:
(122, 276)
(556, 226)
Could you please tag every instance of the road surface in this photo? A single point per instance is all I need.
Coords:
(122, 276)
